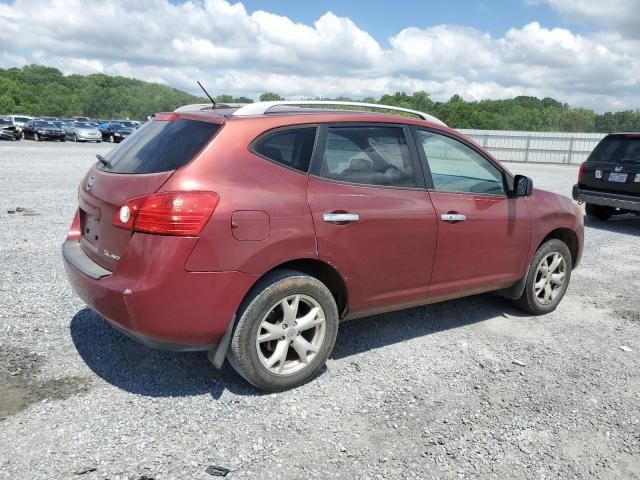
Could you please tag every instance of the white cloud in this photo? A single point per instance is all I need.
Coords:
(617, 15)
(234, 51)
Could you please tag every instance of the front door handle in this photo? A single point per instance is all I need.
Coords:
(340, 217)
(453, 217)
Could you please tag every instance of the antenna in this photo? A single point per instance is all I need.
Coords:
(207, 94)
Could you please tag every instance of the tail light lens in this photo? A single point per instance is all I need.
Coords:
(581, 173)
(171, 213)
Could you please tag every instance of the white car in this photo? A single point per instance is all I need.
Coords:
(19, 120)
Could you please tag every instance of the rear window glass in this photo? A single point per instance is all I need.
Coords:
(617, 150)
(160, 146)
(291, 147)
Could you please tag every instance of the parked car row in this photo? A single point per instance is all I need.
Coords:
(76, 129)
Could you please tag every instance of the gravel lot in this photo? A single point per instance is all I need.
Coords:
(465, 389)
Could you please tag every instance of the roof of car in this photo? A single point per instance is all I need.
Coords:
(309, 107)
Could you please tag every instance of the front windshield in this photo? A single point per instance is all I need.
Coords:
(83, 125)
(118, 126)
(21, 119)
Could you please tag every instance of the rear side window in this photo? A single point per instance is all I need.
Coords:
(368, 155)
(617, 150)
(291, 147)
(160, 146)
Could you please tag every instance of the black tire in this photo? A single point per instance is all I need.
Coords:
(111, 139)
(75, 137)
(36, 137)
(529, 301)
(268, 292)
(598, 212)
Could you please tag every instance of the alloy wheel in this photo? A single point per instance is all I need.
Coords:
(550, 278)
(291, 334)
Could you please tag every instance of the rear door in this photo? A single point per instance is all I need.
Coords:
(137, 167)
(373, 218)
(614, 165)
(483, 236)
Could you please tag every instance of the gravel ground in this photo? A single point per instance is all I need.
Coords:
(467, 388)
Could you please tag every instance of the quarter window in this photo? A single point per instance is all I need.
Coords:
(292, 147)
(458, 168)
(368, 155)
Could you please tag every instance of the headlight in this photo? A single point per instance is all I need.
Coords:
(41, 132)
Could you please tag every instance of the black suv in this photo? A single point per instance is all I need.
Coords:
(609, 181)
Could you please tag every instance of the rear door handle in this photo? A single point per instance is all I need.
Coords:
(340, 217)
(453, 217)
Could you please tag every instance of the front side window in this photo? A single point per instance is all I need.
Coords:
(456, 167)
(291, 147)
(368, 155)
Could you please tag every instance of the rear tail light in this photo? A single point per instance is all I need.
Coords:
(171, 213)
(581, 173)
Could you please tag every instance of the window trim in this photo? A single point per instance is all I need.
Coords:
(321, 145)
(267, 133)
(427, 170)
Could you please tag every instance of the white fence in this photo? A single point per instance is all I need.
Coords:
(536, 147)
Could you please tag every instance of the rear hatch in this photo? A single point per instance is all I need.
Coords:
(614, 165)
(138, 166)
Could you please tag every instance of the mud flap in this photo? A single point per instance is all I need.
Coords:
(218, 354)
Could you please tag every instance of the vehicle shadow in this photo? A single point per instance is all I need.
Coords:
(133, 367)
(369, 333)
(628, 224)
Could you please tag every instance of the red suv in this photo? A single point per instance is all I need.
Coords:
(251, 233)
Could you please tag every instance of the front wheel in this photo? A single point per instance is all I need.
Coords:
(548, 278)
(75, 137)
(36, 137)
(286, 330)
(598, 212)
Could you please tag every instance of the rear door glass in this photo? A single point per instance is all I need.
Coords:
(368, 155)
(160, 146)
(617, 150)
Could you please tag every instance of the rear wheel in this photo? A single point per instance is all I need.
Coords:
(599, 212)
(286, 330)
(548, 278)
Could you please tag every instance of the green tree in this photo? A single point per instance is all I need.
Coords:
(270, 97)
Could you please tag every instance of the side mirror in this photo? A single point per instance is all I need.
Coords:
(522, 186)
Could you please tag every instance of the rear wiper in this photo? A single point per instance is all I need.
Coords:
(103, 160)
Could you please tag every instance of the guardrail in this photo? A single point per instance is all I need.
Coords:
(536, 147)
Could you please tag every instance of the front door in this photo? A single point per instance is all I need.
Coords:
(483, 235)
(373, 218)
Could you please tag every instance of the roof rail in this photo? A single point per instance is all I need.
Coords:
(198, 107)
(261, 108)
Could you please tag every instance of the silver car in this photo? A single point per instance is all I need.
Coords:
(82, 132)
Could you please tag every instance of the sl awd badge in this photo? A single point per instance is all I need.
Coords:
(91, 182)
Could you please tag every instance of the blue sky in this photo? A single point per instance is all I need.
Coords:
(384, 19)
(582, 52)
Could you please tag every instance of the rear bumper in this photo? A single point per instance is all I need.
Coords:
(606, 199)
(158, 303)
